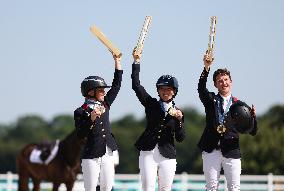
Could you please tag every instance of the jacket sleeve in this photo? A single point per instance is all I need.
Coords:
(116, 84)
(204, 94)
(83, 123)
(140, 91)
(180, 130)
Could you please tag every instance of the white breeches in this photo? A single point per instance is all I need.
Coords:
(103, 168)
(151, 163)
(212, 164)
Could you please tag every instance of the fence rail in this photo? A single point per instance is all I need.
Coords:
(182, 182)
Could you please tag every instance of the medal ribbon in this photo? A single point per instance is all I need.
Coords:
(221, 116)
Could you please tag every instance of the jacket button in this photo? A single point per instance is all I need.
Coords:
(159, 137)
(103, 129)
(104, 135)
(162, 125)
(160, 131)
(101, 122)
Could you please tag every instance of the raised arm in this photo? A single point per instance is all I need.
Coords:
(203, 92)
(207, 61)
(116, 83)
(117, 61)
(140, 91)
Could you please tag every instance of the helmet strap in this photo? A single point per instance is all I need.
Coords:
(166, 101)
(92, 97)
(90, 100)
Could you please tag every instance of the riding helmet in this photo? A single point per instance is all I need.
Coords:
(91, 83)
(240, 117)
(168, 80)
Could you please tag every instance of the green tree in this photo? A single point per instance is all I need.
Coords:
(29, 128)
(261, 154)
(61, 126)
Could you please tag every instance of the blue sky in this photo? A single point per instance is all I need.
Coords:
(46, 49)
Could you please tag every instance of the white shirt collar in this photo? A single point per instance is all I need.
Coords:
(166, 105)
(227, 98)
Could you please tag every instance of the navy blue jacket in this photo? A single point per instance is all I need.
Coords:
(160, 129)
(98, 133)
(229, 142)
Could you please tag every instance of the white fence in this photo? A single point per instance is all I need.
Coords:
(182, 182)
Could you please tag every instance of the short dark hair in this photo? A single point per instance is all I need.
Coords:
(223, 72)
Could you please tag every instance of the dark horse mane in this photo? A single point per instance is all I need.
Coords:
(70, 148)
(62, 169)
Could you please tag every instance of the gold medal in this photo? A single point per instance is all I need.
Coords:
(221, 129)
(172, 111)
(102, 109)
(99, 106)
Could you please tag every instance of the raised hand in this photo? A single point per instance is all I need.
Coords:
(117, 60)
(207, 61)
(136, 55)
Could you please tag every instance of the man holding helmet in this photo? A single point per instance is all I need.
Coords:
(92, 124)
(164, 123)
(226, 117)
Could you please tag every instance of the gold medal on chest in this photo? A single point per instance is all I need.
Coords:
(221, 129)
(172, 111)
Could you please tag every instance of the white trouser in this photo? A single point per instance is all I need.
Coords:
(102, 167)
(151, 162)
(212, 163)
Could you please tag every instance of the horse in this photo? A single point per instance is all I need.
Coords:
(62, 169)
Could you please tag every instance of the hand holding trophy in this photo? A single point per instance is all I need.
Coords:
(209, 55)
(136, 55)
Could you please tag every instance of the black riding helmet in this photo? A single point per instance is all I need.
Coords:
(168, 80)
(91, 83)
(240, 117)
